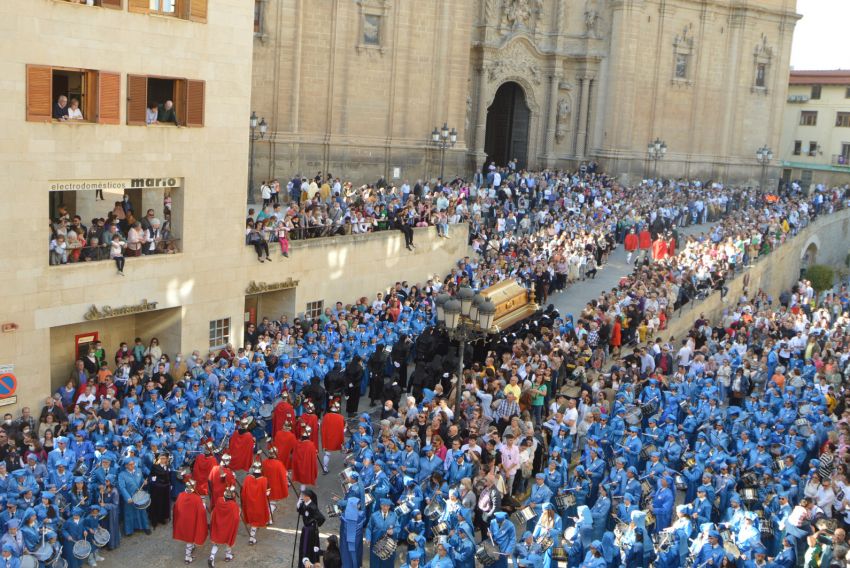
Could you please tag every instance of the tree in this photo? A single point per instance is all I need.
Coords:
(821, 276)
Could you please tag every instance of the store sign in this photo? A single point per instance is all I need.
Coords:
(114, 184)
(260, 287)
(104, 312)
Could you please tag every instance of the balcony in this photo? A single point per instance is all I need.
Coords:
(841, 160)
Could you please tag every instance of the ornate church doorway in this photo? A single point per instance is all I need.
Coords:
(507, 126)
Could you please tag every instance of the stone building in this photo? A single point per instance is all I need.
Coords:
(356, 87)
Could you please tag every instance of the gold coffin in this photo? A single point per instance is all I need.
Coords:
(513, 303)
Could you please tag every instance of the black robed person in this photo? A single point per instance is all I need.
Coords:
(312, 519)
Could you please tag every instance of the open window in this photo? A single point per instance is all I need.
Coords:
(165, 101)
(70, 95)
(194, 10)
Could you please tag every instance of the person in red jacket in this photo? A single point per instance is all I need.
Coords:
(255, 501)
(285, 442)
(282, 413)
(305, 460)
(631, 244)
(224, 524)
(221, 477)
(333, 433)
(659, 249)
(201, 469)
(241, 447)
(644, 240)
(671, 245)
(190, 520)
(274, 471)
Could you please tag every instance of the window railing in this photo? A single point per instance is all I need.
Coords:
(59, 255)
(840, 160)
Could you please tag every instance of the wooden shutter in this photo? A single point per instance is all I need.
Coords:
(138, 6)
(195, 96)
(108, 97)
(111, 3)
(39, 93)
(198, 10)
(137, 99)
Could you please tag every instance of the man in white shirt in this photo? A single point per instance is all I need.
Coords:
(510, 461)
(683, 357)
(825, 497)
(571, 416)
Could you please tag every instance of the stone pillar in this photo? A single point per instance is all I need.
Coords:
(553, 121)
(481, 117)
(581, 135)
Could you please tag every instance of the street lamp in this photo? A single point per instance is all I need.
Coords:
(465, 317)
(255, 126)
(764, 155)
(656, 150)
(443, 139)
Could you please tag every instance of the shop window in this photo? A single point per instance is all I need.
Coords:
(219, 333)
(314, 309)
(83, 217)
(808, 118)
(194, 10)
(65, 95)
(164, 101)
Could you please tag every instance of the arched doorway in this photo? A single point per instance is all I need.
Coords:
(507, 126)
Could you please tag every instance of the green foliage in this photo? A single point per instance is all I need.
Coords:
(821, 276)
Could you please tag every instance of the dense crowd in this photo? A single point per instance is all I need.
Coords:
(118, 235)
(672, 456)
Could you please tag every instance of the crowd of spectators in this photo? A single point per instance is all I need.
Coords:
(118, 235)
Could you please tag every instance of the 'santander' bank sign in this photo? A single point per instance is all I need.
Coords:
(104, 312)
(114, 184)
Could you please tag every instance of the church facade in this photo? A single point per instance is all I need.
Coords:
(356, 87)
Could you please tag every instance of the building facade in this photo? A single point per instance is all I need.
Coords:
(357, 87)
(117, 62)
(815, 147)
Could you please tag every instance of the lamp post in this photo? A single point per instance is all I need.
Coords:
(764, 155)
(656, 150)
(465, 317)
(255, 126)
(443, 139)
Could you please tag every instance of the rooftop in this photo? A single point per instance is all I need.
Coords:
(827, 77)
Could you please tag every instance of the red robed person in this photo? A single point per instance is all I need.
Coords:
(224, 523)
(644, 239)
(275, 472)
(190, 520)
(310, 419)
(333, 429)
(255, 501)
(241, 448)
(659, 249)
(283, 413)
(305, 460)
(630, 243)
(201, 469)
(285, 442)
(221, 477)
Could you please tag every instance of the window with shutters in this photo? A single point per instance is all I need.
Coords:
(71, 96)
(194, 10)
(165, 101)
(808, 118)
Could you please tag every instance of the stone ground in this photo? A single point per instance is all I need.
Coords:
(275, 543)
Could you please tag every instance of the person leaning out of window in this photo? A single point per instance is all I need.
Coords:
(166, 114)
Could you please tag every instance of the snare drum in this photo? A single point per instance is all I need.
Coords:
(564, 501)
(749, 494)
(333, 510)
(29, 561)
(633, 415)
(368, 499)
(545, 542)
(487, 554)
(680, 483)
(82, 549)
(526, 514)
(559, 554)
(266, 411)
(766, 529)
(441, 528)
(44, 552)
(403, 509)
(647, 450)
(141, 499)
(385, 547)
(570, 535)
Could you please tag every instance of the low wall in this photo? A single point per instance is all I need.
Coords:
(776, 272)
(347, 267)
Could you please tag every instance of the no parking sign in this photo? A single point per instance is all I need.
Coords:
(8, 382)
